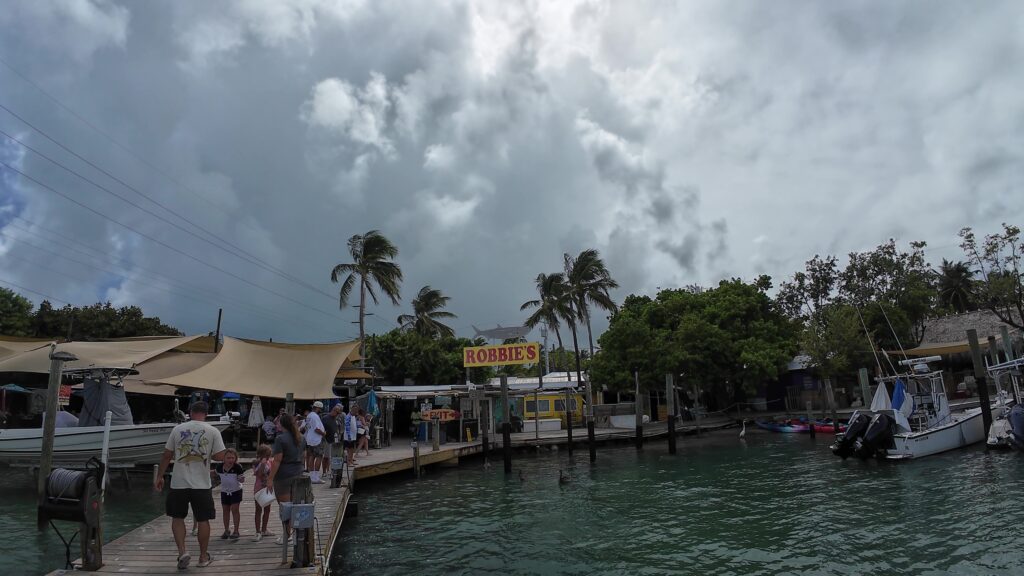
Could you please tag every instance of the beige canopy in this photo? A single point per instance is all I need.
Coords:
(16, 346)
(270, 369)
(116, 354)
(166, 365)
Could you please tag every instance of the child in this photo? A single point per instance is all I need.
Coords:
(261, 470)
(231, 479)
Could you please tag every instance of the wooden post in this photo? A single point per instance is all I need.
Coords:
(305, 551)
(416, 457)
(485, 436)
(810, 417)
(589, 412)
(832, 401)
(506, 426)
(993, 351)
(568, 416)
(289, 403)
(435, 425)
(1004, 333)
(865, 386)
(670, 412)
(638, 412)
(979, 375)
(536, 416)
(57, 360)
(216, 339)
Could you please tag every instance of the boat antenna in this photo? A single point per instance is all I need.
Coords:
(871, 341)
(882, 308)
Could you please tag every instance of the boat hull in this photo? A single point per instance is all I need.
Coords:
(136, 445)
(966, 429)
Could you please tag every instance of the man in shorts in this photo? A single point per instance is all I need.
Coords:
(332, 439)
(192, 446)
(315, 432)
(349, 435)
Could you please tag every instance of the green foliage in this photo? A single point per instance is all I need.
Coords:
(15, 314)
(956, 286)
(726, 339)
(427, 312)
(998, 259)
(399, 355)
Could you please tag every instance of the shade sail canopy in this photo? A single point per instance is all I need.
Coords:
(166, 365)
(943, 348)
(17, 346)
(116, 354)
(270, 369)
(353, 374)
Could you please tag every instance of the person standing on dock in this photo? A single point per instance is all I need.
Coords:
(315, 433)
(331, 438)
(286, 465)
(193, 445)
(350, 433)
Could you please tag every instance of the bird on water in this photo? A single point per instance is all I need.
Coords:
(744, 431)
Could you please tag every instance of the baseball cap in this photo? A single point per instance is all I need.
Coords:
(318, 404)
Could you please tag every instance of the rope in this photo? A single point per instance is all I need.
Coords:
(61, 480)
(871, 341)
(893, 331)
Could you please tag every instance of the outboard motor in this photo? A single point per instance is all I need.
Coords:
(1016, 419)
(843, 446)
(876, 437)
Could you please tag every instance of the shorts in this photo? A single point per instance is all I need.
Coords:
(327, 450)
(229, 498)
(284, 485)
(201, 500)
(317, 450)
(349, 443)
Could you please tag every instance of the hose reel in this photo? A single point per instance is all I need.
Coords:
(76, 496)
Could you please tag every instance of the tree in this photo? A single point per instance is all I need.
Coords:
(401, 355)
(551, 306)
(998, 259)
(374, 268)
(588, 282)
(955, 284)
(15, 314)
(427, 310)
(96, 322)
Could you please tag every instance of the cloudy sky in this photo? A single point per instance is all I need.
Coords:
(186, 156)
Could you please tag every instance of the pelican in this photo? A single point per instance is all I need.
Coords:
(744, 431)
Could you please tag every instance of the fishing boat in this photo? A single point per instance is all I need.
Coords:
(786, 426)
(915, 423)
(130, 444)
(1007, 430)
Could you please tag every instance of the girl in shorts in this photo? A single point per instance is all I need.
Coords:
(231, 478)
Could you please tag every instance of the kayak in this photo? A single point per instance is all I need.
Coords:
(826, 427)
(789, 426)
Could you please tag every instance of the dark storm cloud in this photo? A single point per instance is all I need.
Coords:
(687, 143)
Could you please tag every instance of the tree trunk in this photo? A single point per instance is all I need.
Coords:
(590, 335)
(362, 317)
(558, 335)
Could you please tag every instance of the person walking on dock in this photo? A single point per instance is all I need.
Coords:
(331, 438)
(286, 465)
(315, 433)
(192, 446)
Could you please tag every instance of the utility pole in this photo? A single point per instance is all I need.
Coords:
(216, 339)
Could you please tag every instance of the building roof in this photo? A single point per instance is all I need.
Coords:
(948, 334)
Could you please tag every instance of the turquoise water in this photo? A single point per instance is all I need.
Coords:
(773, 504)
(24, 550)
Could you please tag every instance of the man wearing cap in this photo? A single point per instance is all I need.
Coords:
(315, 433)
(192, 446)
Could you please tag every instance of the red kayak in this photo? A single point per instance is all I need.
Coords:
(828, 428)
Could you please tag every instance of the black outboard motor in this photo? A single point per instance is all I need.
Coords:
(877, 437)
(1016, 418)
(843, 446)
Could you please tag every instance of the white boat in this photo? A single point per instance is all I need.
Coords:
(130, 445)
(1007, 376)
(917, 422)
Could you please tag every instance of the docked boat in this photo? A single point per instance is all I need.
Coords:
(916, 422)
(827, 427)
(1007, 430)
(130, 444)
(786, 426)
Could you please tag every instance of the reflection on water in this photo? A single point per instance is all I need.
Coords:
(773, 504)
(24, 550)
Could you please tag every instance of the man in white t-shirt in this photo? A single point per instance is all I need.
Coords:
(315, 433)
(192, 446)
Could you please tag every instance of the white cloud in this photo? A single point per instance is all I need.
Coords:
(359, 115)
(77, 28)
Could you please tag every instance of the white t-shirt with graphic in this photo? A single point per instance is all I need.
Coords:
(313, 424)
(193, 444)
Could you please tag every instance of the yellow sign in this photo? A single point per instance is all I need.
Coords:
(500, 355)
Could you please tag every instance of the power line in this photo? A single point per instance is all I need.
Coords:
(158, 241)
(37, 293)
(238, 252)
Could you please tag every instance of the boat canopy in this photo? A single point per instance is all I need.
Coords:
(99, 397)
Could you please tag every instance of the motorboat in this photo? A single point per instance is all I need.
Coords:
(130, 444)
(1007, 430)
(916, 422)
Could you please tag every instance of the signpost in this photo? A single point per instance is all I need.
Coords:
(502, 355)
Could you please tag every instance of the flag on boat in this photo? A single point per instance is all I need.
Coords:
(881, 399)
(901, 401)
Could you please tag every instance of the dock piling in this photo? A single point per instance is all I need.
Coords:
(435, 425)
(568, 418)
(506, 426)
(670, 405)
(979, 375)
(416, 458)
(637, 404)
(810, 418)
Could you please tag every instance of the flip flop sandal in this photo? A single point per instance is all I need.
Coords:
(183, 561)
(207, 562)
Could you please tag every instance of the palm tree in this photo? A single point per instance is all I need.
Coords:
(426, 312)
(551, 305)
(956, 286)
(373, 266)
(589, 284)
